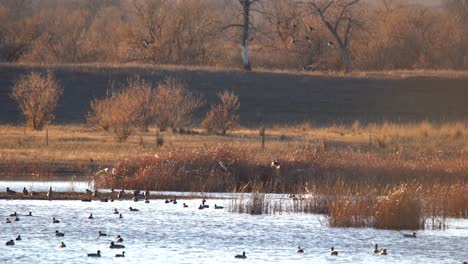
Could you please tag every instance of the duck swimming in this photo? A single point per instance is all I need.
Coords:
(333, 252)
(113, 245)
(91, 216)
(59, 234)
(383, 251)
(218, 207)
(243, 256)
(119, 239)
(62, 245)
(410, 235)
(55, 221)
(115, 211)
(376, 249)
(25, 192)
(133, 209)
(10, 191)
(10, 243)
(120, 216)
(96, 255)
(120, 255)
(17, 218)
(14, 214)
(300, 250)
(101, 234)
(30, 214)
(8, 221)
(185, 206)
(18, 238)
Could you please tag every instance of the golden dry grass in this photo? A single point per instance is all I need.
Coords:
(390, 74)
(82, 145)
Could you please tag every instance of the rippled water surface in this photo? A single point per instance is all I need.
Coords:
(167, 233)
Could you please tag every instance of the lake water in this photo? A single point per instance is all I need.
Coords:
(167, 233)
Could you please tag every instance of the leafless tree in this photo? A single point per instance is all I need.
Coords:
(223, 116)
(174, 104)
(37, 96)
(247, 8)
(337, 17)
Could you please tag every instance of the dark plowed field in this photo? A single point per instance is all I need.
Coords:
(272, 98)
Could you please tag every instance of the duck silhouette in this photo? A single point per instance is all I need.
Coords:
(59, 234)
(243, 256)
(96, 255)
(18, 238)
(410, 235)
(113, 245)
(333, 252)
(120, 255)
(300, 250)
(62, 245)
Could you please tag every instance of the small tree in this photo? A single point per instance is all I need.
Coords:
(124, 111)
(174, 104)
(144, 97)
(223, 116)
(99, 117)
(37, 96)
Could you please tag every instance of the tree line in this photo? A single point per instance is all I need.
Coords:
(132, 106)
(286, 34)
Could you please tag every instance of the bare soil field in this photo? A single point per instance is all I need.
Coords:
(268, 97)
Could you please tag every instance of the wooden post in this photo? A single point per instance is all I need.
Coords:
(370, 142)
(47, 135)
(262, 135)
(157, 138)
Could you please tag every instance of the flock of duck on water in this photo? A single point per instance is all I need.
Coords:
(137, 195)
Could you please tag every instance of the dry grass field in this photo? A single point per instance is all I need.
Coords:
(82, 148)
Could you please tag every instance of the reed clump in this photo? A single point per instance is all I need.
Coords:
(403, 206)
(400, 209)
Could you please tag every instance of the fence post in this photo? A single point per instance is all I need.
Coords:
(47, 135)
(262, 135)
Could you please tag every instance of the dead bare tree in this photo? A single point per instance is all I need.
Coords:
(247, 7)
(337, 17)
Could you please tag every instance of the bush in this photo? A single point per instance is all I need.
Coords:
(37, 96)
(174, 104)
(144, 95)
(223, 116)
(124, 111)
(100, 116)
